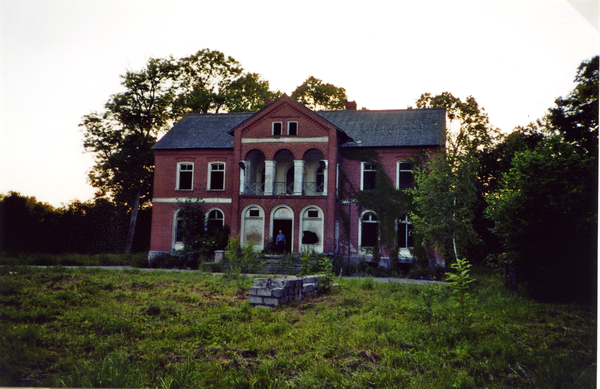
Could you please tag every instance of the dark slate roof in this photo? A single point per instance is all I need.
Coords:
(408, 127)
(198, 131)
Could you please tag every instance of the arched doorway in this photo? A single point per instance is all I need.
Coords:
(282, 219)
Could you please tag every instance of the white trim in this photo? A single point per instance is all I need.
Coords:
(362, 173)
(214, 209)
(273, 128)
(272, 226)
(258, 246)
(182, 199)
(398, 173)
(321, 218)
(288, 128)
(210, 171)
(175, 245)
(320, 139)
(179, 171)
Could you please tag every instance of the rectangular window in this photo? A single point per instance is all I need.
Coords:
(277, 128)
(185, 176)
(312, 213)
(368, 177)
(405, 238)
(216, 176)
(292, 128)
(405, 176)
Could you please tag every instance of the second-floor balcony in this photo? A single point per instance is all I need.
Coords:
(283, 189)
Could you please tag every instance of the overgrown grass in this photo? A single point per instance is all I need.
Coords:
(137, 328)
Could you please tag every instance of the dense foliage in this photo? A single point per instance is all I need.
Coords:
(93, 227)
(178, 329)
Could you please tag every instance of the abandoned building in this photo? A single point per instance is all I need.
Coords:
(285, 168)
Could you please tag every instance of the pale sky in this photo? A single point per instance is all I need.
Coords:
(61, 59)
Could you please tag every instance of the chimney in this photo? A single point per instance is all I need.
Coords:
(350, 105)
(267, 102)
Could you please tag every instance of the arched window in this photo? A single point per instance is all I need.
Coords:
(214, 219)
(369, 230)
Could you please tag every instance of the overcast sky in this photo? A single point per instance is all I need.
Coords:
(61, 59)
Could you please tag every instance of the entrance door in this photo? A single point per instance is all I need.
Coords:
(286, 227)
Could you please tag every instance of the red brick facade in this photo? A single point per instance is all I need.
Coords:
(261, 172)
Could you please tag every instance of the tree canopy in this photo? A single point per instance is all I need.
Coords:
(317, 95)
(545, 210)
(121, 137)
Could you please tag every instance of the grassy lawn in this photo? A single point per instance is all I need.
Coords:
(137, 328)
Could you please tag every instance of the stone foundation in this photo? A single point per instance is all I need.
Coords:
(271, 292)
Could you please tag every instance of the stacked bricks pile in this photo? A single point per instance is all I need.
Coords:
(271, 292)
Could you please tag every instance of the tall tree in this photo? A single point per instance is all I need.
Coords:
(447, 184)
(122, 136)
(576, 116)
(545, 211)
(317, 95)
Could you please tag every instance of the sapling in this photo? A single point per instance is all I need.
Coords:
(459, 284)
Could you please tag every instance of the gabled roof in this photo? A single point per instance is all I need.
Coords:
(402, 127)
(408, 127)
(201, 131)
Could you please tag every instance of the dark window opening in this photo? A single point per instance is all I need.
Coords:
(309, 237)
(215, 220)
(369, 176)
(313, 213)
(254, 213)
(217, 176)
(369, 230)
(406, 176)
(405, 236)
(277, 128)
(320, 179)
(186, 172)
(292, 128)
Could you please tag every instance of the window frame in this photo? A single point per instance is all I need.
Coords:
(289, 128)
(209, 219)
(280, 128)
(362, 228)
(209, 185)
(398, 175)
(402, 222)
(179, 173)
(363, 170)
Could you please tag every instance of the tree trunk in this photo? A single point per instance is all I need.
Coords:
(132, 223)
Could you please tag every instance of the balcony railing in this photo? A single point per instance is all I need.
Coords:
(254, 188)
(283, 189)
(312, 189)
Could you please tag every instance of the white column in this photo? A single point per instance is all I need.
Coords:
(243, 178)
(298, 177)
(325, 175)
(269, 177)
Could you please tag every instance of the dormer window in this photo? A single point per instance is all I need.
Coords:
(277, 128)
(292, 128)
